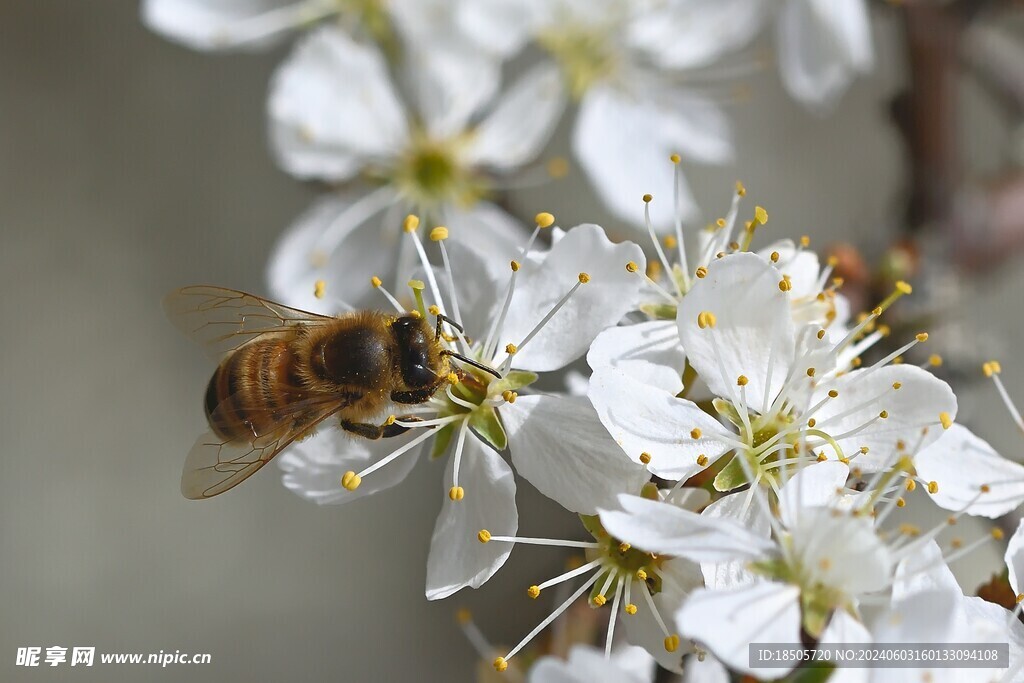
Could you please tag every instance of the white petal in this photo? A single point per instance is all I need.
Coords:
(222, 24)
(450, 81)
(313, 467)
(753, 330)
(740, 508)
(684, 34)
(361, 248)
(726, 622)
(643, 629)
(610, 294)
(501, 26)
(457, 558)
(1015, 558)
(521, 122)
(321, 130)
(559, 446)
(625, 159)
(923, 570)
(649, 352)
(961, 463)
(823, 45)
(913, 412)
(663, 528)
(646, 419)
(694, 126)
(841, 551)
(801, 265)
(708, 670)
(843, 628)
(817, 485)
(494, 234)
(585, 665)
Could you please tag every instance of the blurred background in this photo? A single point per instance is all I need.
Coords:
(131, 166)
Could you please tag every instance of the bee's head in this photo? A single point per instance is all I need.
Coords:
(420, 359)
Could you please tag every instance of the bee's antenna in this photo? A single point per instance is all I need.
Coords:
(441, 319)
(470, 361)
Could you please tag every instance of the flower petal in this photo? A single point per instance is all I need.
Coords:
(559, 446)
(1015, 559)
(823, 45)
(727, 621)
(679, 578)
(457, 558)
(521, 122)
(912, 411)
(610, 294)
(500, 26)
(339, 240)
(320, 130)
(814, 486)
(646, 419)
(740, 508)
(921, 570)
(649, 352)
(313, 467)
(223, 24)
(664, 528)
(753, 333)
(961, 464)
(586, 664)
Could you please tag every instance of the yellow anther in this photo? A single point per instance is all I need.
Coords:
(514, 265)
(1020, 598)
(500, 664)
(584, 278)
(318, 289)
(695, 433)
(433, 310)
(822, 457)
(463, 616)
(600, 600)
(741, 381)
(910, 485)
(706, 319)
(558, 167)
(909, 529)
(641, 575)
(390, 420)
(844, 460)
(350, 480)
(624, 547)
(821, 334)
(884, 330)
(456, 493)
(922, 337)
(631, 608)
(702, 460)
(991, 368)
(670, 242)
(956, 542)
(933, 487)
(856, 362)
(483, 535)
(645, 458)
(509, 396)
(896, 385)
(784, 284)
(775, 257)
(410, 223)
(632, 267)
(720, 222)
(805, 241)
(997, 533)
(904, 288)
(832, 393)
(760, 215)
(985, 488)
(864, 450)
(510, 349)
(672, 643)
(810, 372)
(946, 420)
(375, 281)
(935, 360)
(674, 159)
(453, 378)
(900, 502)
(648, 198)
(884, 414)
(533, 592)
(702, 272)
(544, 219)
(740, 189)
(439, 234)
(811, 422)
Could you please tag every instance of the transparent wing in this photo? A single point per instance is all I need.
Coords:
(221, 320)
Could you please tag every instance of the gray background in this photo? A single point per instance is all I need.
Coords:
(128, 167)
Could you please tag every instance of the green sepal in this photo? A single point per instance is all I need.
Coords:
(485, 422)
(732, 475)
(592, 523)
(516, 379)
(659, 311)
(818, 672)
(598, 585)
(441, 441)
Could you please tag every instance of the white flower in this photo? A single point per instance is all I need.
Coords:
(589, 665)
(823, 45)
(781, 400)
(335, 114)
(551, 309)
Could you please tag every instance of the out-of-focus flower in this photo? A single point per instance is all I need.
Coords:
(552, 310)
(589, 665)
(336, 114)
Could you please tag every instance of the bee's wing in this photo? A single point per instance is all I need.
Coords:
(221, 320)
(214, 465)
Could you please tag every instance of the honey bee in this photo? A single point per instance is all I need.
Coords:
(283, 371)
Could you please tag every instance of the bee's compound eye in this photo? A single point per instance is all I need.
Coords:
(414, 342)
(417, 375)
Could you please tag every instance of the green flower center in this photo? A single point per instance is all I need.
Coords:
(584, 55)
(431, 173)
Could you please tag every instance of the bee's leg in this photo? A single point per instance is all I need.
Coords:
(371, 431)
(412, 397)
